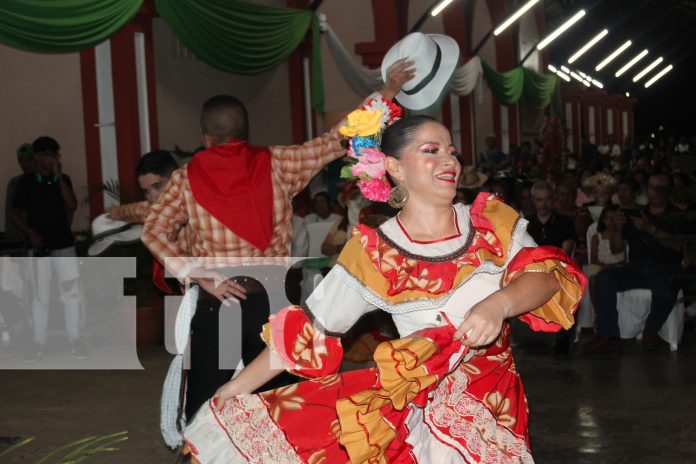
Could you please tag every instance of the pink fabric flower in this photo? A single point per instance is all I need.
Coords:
(375, 189)
(370, 162)
(375, 171)
(373, 155)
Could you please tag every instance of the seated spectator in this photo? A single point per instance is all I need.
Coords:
(492, 159)
(549, 228)
(565, 200)
(602, 188)
(626, 194)
(498, 187)
(336, 238)
(524, 158)
(601, 255)
(321, 210)
(471, 179)
(651, 265)
(524, 201)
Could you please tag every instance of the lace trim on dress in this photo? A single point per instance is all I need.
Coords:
(246, 420)
(317, 324)
(471, 427)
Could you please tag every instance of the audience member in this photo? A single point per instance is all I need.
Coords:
(492, 159)
(322, 210)
(27, 163)
(547, 227)
(601, 255)
(42, 209)
(651, 265)
(565, 200)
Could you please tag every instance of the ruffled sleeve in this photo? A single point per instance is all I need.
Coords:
(507, 244)
(557, 313)
(307, 338)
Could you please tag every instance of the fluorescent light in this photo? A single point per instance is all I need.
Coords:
(440, 6)
(636, 59)
(582, 74)
(565, 70)
(588, 45)
(576, 76)
(658, 75)
(586, 83)
(613, 55)
(552, 68)
(649, 68)
(551, 37)
(514, 17)
(628, 94)
(563, 76)
(597, 83)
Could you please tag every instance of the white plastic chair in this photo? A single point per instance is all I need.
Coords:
(633, 307)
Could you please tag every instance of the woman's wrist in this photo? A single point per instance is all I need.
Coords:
(504, 302)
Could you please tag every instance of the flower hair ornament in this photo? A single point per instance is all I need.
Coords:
(364, 160)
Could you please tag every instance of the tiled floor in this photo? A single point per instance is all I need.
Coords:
(633, 408)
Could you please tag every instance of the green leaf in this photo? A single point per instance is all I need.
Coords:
(93, 446)
(17, 445)
(346, 172)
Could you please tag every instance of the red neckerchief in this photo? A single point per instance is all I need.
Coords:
(232, 182)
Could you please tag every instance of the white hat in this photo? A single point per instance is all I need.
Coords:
(435, 58)
(106, 232)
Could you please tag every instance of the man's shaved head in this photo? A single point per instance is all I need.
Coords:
(224, 118)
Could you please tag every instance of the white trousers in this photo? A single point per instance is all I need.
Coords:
(64, 263)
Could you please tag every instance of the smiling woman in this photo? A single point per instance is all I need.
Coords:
(447, 391)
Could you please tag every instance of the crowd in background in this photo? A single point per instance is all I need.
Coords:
(624, 211)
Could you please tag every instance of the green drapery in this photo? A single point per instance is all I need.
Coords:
(244, 38)
(65, 26)
(542, 89)
(508, 87)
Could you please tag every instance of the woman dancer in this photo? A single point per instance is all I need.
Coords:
(448, 390)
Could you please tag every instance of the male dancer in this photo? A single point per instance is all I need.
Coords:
(233, 200)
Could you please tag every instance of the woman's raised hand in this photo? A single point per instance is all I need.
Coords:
(400, 72)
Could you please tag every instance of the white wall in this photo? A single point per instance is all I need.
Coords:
(483, 110)
(41, 95)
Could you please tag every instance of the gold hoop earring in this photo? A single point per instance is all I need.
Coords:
(398, 196)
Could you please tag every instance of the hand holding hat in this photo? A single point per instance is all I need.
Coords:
(434, 58)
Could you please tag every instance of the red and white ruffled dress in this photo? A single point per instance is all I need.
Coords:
(429, 400)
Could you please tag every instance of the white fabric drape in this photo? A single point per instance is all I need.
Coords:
(361, 79)
(364, 81)
(468, 77)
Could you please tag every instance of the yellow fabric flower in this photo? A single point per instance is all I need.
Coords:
(363, 123)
